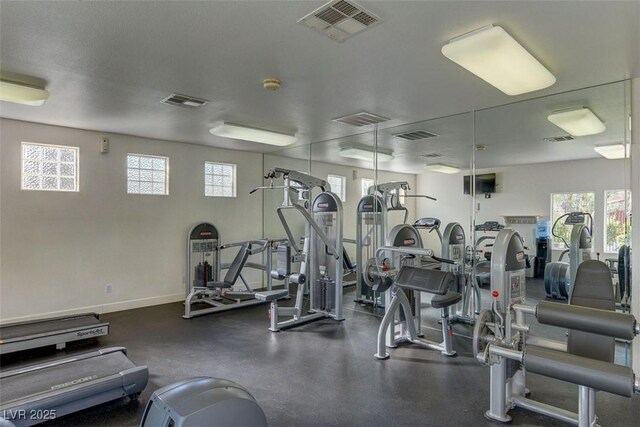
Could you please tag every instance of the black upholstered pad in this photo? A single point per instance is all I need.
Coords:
(424, 280)
(442, 301)
(593, 288)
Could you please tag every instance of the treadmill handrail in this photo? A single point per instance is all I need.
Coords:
(60, 362)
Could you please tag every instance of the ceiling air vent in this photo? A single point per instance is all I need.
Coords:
(559, 138)
(184, 101)
(340, 19)
(361, 119)
(432, 155)
(415, 135)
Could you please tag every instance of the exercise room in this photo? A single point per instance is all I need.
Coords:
(350, 213)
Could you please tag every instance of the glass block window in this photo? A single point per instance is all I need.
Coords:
(147, 174)
(366, 183)
(48, 167)
(338, 186)
(219, 179)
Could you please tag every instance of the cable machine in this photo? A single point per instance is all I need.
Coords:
(320, 253)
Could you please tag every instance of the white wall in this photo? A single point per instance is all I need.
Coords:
(524, 190)
(59, 250)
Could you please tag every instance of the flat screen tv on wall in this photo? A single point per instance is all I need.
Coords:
(485, 183)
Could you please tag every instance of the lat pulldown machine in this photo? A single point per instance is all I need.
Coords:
(320, 255)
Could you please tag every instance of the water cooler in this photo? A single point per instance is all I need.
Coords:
(543, 246)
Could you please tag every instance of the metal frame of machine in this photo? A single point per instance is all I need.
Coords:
(320, 257)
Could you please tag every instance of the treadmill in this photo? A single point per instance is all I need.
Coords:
(42, 392)
(56, 330)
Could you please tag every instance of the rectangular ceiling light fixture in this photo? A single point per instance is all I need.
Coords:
(497, 58)
(613, 151)
(22, 93)
(248, 133)
(580, 122)
(442, 168)
(365, 154)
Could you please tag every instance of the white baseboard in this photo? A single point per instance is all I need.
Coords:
(102, 308)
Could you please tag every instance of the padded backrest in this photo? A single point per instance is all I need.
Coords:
(238, 263)
(424, 280)
(593, 288)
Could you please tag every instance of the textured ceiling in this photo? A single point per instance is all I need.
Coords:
(109, 64)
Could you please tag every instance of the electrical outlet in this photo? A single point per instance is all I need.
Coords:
(108, 288)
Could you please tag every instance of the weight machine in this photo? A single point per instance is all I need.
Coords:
(501, 340)
(204, 269)
(320, 255)
(559, 275)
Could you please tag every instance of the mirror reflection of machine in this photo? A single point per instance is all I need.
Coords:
(559, 275)
(372, 229)
(320, 253)
(481, 256)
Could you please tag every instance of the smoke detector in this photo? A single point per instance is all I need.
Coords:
(271, 84)
(340, 19)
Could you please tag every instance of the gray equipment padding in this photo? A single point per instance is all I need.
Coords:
(424, 280)
(442, 301)
(234, 269)
(603, 322)
(593, 288)
(580, 370)
(203, 401)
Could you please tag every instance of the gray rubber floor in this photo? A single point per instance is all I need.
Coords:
(322, 373)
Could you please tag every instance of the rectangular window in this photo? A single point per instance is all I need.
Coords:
(562, 203)
(366, 183)
(338, 186)
(147, 174)
(617, 211)
(48, 167)
(219, 179)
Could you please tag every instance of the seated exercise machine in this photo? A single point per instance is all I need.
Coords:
(481, 267)
(57, 330)
(559, 275)
(204, 267)
(501, 340)
(203, 401)
(418, 279)
(453, 246)
(372, 228)
(320, 256)
(51, 389)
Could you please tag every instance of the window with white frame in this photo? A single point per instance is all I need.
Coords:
(366, 183)
(338, 186)
(562, 203)
(47, 167)
(147, 174)
(617, 211)
(219, 179)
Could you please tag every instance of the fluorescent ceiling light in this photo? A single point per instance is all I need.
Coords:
(22, 93)
(614, 151)
(248, 133)
(365, 154)
(493, 55)
(442, 168)
(578, 122)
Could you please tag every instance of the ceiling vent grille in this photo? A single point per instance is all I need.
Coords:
(340, 19)
(415, 135)
(432, 155)
(361, 119)
(559, 138)
(184, 101)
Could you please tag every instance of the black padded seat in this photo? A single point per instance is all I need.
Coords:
(442, 301)
(424, 280)
(234, 269)
(593, 288)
